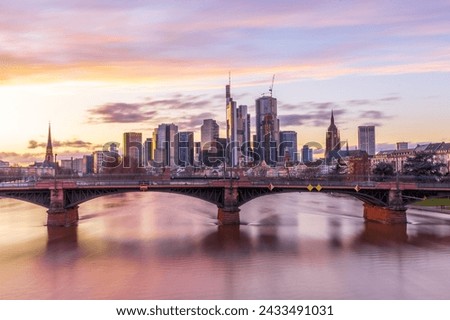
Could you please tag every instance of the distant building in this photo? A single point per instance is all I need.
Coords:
(231, 128)
(209, 132)
(88, 164)
(402, 145)
(243, 134)
(357, 162)
(184, 149)
(237, 130)
(67, 164)
(394, 157)
(72, 165)
(78, 165)
(307, 154)
(267, 126)
(443, 156)
(397, 158)
(132, 149)
(332, 141)
(163, 144)
(97, 159)
(148, 151)
(288, 146)
(216, 154)
(366, 139)
(197, 153)
(4, 164)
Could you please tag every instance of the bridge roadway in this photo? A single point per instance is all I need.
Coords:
(383, 201)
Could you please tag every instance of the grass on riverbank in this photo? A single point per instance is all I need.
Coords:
(443, 202)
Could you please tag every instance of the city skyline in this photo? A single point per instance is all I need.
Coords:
(385, 64)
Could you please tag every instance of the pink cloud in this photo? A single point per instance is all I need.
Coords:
(116, 40)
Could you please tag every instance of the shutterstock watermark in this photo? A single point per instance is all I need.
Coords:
(210, 154)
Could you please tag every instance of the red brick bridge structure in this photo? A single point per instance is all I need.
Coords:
(384, 202)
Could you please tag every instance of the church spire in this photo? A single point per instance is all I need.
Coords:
(332, 141)
(49, 149)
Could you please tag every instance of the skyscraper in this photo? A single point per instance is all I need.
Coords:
(231, 120)
(132, 149)
(164, 153)
(366, 139)
(332, 141)
(209, 133)
(288, 146)
(267, 129)
(49, 160)
(184, 149)
(243, 132)
(307, 154)
(209, 136)
(148, 151)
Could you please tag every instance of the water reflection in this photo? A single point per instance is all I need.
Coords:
(379, 234)
(227, 238)
(335, 233)
(290, 247)
(62, 236)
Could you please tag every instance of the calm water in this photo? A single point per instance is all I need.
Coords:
(163, 246)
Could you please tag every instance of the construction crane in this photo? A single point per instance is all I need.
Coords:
(270, 89)
(271, 86)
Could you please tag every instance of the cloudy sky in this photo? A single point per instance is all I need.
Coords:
(96, 69)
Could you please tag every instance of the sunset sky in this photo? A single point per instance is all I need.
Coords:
(96, 69)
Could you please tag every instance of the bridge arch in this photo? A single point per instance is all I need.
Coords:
(75, 197)
(37, 197)
(378, 198)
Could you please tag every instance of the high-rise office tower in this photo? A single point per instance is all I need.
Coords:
(132, 149)
(197, 153)
(184, 148)
(307, 154)
(164, 153)
(231, 120)
(366, 139)
(243, 132)
(332, 141)
(267, 126)
(148, 151)
(209, 133)
(288, 146)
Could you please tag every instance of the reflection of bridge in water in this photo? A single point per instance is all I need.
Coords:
(383, 201)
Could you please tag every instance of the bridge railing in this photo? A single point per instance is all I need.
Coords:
(323, 180)
(7, 185)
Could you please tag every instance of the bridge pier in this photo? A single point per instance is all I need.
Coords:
(384, 214)
(57, 214)
(395, 213)
(62, 217)
(228, 214)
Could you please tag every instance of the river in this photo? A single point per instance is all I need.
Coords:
(165, 246)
